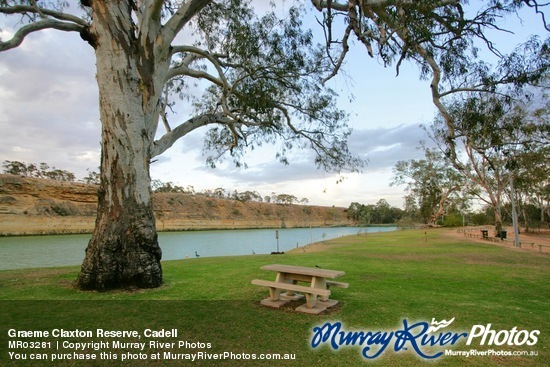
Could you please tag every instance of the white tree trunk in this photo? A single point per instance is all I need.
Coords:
(124, 250)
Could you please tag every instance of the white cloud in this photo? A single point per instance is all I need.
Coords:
(184, 165)
(48, 102)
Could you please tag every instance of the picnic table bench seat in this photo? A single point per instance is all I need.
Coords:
(292, 287)
(277, 300)
(332, 283)
(287, 280)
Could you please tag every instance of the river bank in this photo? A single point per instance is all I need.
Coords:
(32, 206)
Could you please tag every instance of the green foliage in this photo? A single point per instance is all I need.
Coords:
(286, 199)
(502, 139)
(220, 193)
(92, 178)
(246, 196)
(159, 186)
(453, 220)
(480, 219)
(407, 222)
(443, 38)
(381, 213)
(432, 183)
(41, 171)
(276, 97)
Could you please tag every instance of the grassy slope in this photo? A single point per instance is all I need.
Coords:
(392, 276)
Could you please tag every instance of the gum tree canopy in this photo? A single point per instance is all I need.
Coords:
(262, 77)
(445, 38)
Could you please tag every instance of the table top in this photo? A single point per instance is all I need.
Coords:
(315, 272)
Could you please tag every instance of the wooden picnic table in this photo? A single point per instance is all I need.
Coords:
(287, 278)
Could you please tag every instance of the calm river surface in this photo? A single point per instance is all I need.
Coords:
(63, 250)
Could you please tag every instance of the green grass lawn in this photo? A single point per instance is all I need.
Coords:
(392, 276)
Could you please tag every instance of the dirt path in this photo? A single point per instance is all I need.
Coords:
(529, 241)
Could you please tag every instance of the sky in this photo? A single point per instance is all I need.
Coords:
(49, 113)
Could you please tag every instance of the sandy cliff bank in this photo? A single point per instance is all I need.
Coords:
(40, 206)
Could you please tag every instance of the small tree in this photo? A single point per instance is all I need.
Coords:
(15, 168)
(92, 178)
(432, 182)
(286, 199)
(532, 168)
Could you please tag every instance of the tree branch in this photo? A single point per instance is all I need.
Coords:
(24, 31)
(197, 74)
(534, 4)
(323, 4)
(23, 9)
(153, 9)
(182, 16)
(149, 18)
(167, 140)
(222, 81)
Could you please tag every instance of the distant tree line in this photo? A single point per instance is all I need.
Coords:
(43, 170)
(221, 193)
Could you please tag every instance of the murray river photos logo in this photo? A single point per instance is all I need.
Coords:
(427, 340)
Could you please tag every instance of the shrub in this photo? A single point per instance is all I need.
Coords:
(453, 220)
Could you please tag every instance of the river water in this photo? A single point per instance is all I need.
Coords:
(64, 250)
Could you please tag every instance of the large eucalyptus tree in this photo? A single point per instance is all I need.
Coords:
(261, 78)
